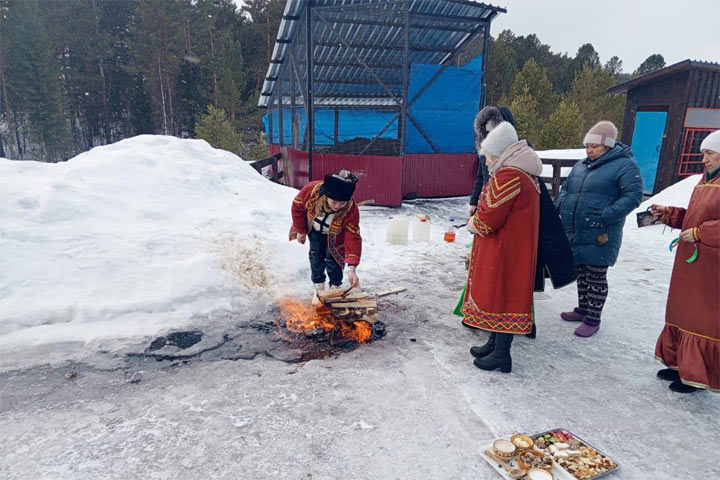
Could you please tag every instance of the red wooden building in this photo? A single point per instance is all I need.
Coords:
(374, 87)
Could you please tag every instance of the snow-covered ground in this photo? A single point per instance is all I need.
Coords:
(101, 254)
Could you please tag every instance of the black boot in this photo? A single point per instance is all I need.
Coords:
(479, 352)
(533, 332)
(678, 386)
(668, 374)
(500, 357)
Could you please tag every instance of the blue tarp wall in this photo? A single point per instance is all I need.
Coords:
(445, 111)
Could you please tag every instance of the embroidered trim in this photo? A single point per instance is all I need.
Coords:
(692, 333)
(520, 323)
(482, 228)
(352, 228)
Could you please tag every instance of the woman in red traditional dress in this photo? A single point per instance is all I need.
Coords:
(689, 345)
(499, 293)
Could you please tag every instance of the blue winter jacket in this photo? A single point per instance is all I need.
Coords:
(594, 201)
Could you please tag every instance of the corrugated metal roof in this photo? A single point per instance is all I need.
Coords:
(372, 30)
(664, 72)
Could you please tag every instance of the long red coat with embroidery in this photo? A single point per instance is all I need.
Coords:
(690, 341)
(344, 241)
(499, 293)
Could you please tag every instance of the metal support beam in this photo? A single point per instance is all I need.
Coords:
(486, 45)
(447, 18)
(395, 23)
(387, 125)
(354, 82)
(388, 66)
(359, 6)
(369, 46)
(335, 131)
(423, 133)
(298, 77)
(310, 124)
(293, 118)
(402, 127)
(448, 62)
(334, 32)
(281, 103)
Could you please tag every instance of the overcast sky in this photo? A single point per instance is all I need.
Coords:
(631, 29)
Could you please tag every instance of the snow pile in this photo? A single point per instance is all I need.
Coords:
(135, 237)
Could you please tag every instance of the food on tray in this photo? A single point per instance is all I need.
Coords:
(534, 459)
(539, 474)
(504, 448)
(582, 461)
(522, 442)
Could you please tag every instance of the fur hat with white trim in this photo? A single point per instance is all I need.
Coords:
(602, 133)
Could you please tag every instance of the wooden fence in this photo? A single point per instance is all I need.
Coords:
(272, 162)
(557, 178)
(554, 182)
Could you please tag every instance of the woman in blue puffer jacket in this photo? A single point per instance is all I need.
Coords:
(593, 203)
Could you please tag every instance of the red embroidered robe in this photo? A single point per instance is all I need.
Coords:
(690, 341)
(344, 241)
(499, 293)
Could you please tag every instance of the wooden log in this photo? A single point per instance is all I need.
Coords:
(363, 303)
(390, 292)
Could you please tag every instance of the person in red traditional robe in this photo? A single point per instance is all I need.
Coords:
(499, 292)
(325, 213)
(689, 345)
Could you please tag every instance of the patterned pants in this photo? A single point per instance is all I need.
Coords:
(592, 288)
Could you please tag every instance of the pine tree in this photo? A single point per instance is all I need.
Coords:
(533, 80)
(216, 129)
(589, 93)
(33, 87)
(650, 64)
(563, 129)
(524, 109)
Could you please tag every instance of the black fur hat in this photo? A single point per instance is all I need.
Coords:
(339, 186)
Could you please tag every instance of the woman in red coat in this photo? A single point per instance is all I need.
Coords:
(499, 293)
(325, 213)
(689, 345)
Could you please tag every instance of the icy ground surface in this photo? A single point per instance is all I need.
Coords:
(239, 404)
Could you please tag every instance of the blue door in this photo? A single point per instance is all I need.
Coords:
(646, 144)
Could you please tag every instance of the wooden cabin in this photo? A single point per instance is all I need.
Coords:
(668, 114)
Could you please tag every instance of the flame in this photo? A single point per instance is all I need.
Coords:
(300, 317)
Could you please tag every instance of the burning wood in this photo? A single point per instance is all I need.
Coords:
(315, 320)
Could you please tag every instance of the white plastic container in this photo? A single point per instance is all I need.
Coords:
(397, 231)
(421, 230)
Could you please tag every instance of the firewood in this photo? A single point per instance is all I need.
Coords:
(390, 292)
(363, 303)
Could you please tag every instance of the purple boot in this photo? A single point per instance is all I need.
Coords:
(587, 330)
(576, 315)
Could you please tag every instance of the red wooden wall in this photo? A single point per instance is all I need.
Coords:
(387, 179)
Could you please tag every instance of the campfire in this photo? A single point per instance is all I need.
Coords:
(302, 318)
(341, 316)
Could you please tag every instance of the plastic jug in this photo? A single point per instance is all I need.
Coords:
(421, 230)
(449, 230)
(397, 231)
